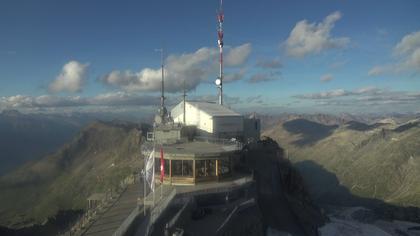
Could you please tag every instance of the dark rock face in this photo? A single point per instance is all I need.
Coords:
(283, 200)
(62, 221)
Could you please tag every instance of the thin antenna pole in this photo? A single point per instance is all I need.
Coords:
(185, 95)
(162, 98)
(220, 19)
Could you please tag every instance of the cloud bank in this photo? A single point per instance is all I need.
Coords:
(364, 97)
(111, 99)
(312, 38)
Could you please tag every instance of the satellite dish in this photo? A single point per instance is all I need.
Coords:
(218, 82)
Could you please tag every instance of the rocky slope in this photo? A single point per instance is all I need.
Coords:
(282, 194)
(97, 159)
(377, 161)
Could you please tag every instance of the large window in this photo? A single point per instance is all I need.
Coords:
(205, 168)
(182, 168)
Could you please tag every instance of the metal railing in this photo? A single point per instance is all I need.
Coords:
(233, 143)
(82, 225)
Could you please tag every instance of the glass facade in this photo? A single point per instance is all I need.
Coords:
(205, 168)
(182, 168)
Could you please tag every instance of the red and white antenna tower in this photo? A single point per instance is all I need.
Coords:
(219, 80)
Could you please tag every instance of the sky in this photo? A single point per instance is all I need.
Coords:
(327, 56)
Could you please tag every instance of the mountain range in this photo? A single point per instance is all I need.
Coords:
(25, 137)
(375, 161)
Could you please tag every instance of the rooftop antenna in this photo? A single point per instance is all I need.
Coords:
(162, 110)
(184, 98)
(219, 80)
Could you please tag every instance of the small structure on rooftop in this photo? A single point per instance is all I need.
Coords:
(211, 119)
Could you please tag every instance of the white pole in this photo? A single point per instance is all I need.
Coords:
(144, 190)
(153, 179)
(161, 184)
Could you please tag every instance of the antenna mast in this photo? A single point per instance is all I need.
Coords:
(162, 109)
(185, 96)
(219, 80)
(162, 97)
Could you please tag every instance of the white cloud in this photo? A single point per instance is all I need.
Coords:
(312, 38)
(408, 43)
(237, 56)
(71, 78)
(269, 64)
(234, 76)
(193, 68)
(364, 100)
(364, 91)
(407, 53)
(264, 77)
(326, 78)
(379, 70)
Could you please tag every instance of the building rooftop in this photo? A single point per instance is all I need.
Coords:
(199, 149)
(213, 109)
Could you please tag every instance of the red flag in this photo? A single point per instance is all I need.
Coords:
(162, 165)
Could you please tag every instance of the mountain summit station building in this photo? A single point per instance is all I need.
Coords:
(200, 142)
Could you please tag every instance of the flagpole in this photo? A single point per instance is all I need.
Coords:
(153, 179)
(162, 171)
(144, 186)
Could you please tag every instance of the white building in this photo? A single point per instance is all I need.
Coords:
(210, 118)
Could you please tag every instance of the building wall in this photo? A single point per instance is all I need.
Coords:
(228, 126)
(219, 126)
(194, 116)
(167, 136)
(252, 129)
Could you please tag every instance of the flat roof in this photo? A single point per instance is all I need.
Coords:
(197, 150)
(213, 109)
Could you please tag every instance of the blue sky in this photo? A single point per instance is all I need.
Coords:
(282, 56)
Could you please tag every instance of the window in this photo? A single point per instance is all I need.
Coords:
(182, 168)
(205, 168)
